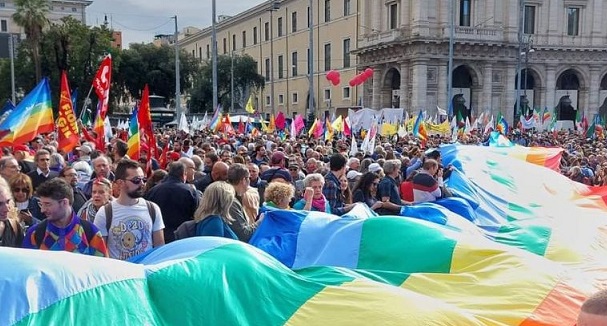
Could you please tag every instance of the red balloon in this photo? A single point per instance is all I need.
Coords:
(368, 72)
(352, 82)
(336, 81)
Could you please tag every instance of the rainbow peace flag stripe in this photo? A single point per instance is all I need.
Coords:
(518, 245)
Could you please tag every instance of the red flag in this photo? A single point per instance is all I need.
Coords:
(144, 118)
(280, 121)
(101, 84)
(67, 129)
(163, 158)
(241, 129)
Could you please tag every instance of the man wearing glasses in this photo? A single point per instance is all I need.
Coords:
(63, 229)
(43, 171)
(9, 167)
(130, 224)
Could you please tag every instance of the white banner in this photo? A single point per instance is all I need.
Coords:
(363, 118)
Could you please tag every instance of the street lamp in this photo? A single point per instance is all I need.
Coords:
(275, 5)
(528, 48)
(311, 65)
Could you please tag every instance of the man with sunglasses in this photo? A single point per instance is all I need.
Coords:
(43, 171)
(133, 225)
(63, 229)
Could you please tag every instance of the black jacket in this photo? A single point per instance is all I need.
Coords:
(177, 201)
(38, 179)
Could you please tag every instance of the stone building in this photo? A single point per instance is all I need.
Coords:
(563, 52)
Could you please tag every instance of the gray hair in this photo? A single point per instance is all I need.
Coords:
(353, 160)
(313, 177)
(391, 165)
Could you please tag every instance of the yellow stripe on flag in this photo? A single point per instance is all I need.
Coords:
(487, 285)
(364, 302)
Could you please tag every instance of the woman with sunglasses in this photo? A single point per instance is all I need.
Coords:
(11, 232)
(365, 191)
(101, 194)
(26, 204)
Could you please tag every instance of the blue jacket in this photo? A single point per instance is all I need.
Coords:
(214, 226)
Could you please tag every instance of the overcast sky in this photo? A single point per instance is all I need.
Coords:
(140, 20)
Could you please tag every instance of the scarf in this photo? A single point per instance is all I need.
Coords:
(319, 204)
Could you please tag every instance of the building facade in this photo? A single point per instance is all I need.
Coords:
(276, 35)
(57, 10)
(562, 54)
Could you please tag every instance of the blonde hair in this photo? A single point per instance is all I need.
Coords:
(276, 191)
(12, 209)
(250, 204)
(216, 200)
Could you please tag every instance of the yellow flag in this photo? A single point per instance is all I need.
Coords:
(272, 125)
(338, 124)
(249, 107)
(388, 129)
(264, 127)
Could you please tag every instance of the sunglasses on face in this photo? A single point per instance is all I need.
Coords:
(137, 180)
(25, 190)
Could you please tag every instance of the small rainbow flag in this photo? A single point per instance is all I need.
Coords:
(32, 116)
(134, 141)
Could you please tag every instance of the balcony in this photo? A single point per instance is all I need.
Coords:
(380, 37)
(479, 34)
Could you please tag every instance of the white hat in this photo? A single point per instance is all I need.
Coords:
(353, 174)
(375, 167)
(84, 148)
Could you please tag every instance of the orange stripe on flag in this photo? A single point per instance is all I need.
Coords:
(560, 307)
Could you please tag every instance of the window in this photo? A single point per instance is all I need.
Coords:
(225, 46)
(208, 51)
(294, 22)
(2, 4)
(346, 53)
(308, 62)
(529, 27)
(244, 39)
(294, 98)
(254, 35)
(281, 99)
(327, 11)
(327, 94)
(309, 23)
(281, 67)
(233, 42)
(294, 64)
(393, 18)
(464, 12)
(346, 92)
(347, 7)
(267, 69)
(266, 30)
(328, 57)
(3, 25)
(279, 26)
(74, 9)
(267, 100)
(200, 52)
(573, 21)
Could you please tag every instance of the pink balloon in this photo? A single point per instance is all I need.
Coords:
(369, 72)
(336, 81)
(352, 82)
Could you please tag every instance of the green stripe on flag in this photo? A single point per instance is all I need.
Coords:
(533, 238)
(392, 244)
(229, 285)
(118, 303)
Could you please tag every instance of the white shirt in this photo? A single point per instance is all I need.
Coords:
(131, 231)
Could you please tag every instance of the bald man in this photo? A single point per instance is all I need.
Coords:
(219, 172)
(594, 310)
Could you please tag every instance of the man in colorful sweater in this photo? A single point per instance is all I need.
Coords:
(63, 229)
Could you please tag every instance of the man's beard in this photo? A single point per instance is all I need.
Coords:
(136, 193)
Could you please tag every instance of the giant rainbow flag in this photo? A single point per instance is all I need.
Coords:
(519, 244)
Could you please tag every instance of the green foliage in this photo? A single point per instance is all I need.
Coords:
(149, 64)
(246, 77)
(31, 15)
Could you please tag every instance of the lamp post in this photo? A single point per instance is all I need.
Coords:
(214, 53)
(311, 66)
(274, 7)
(521, 24)
(528, 48)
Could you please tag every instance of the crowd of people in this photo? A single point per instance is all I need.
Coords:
(104, 203)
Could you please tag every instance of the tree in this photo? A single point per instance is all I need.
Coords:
(149, 64)
(31, 16)
(245, 79)
(68, 45)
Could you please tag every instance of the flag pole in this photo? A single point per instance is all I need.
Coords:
(86, 101)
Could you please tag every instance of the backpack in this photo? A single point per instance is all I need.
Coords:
(40, 230)
(109, 214)
(187, 229)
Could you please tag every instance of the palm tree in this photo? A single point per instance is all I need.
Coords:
(31, 16)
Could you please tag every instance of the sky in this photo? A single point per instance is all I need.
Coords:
(140, 20)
